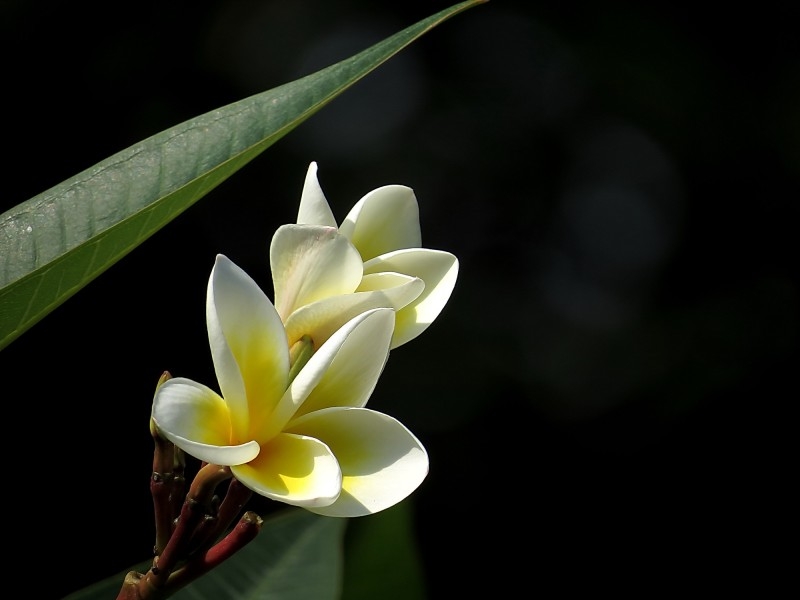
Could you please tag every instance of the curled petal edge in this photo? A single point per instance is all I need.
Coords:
(382, 462)
(225, 456)
(294, 469)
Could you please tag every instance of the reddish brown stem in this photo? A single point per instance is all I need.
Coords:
(162, 481)
(161, 488)
(178, 482)
(196, 506)
(245, 531)
(161, 583)
(231, 506)
(184, 547)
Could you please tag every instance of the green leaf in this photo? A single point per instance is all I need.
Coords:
(58, 241)
(107, 588)
(382, 560)
(296, 556)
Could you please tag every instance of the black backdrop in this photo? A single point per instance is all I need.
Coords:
(620, 185)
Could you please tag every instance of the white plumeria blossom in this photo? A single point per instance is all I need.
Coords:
(304, 439)
(325, 274)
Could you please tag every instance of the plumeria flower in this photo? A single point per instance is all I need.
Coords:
(291, 423)
(324, 274)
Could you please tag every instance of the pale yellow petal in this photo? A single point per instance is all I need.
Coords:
(294, 469)
(310, 263)
(382, 462)
(354, 357)
(439, 271)
(402, 289)
(196, 419)
(342, 372)
(248, 346)
(320, 319)
(314, 207)
(384, 220)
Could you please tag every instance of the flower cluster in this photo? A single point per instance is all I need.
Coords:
(290, 419)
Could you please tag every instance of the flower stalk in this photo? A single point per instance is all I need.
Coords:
(188, 532)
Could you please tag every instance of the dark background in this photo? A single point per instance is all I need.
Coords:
(600, 396)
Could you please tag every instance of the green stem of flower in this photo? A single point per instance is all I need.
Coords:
(299, 354)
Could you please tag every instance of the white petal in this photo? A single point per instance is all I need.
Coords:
(356, 355)
(294, 469)
(343, 371)
(437, 269)
(403, 289)
(382, 462)
(196, 420)
(314, 207)
(248, 345)
(320, 319)
(384, 220)
(310, 263)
